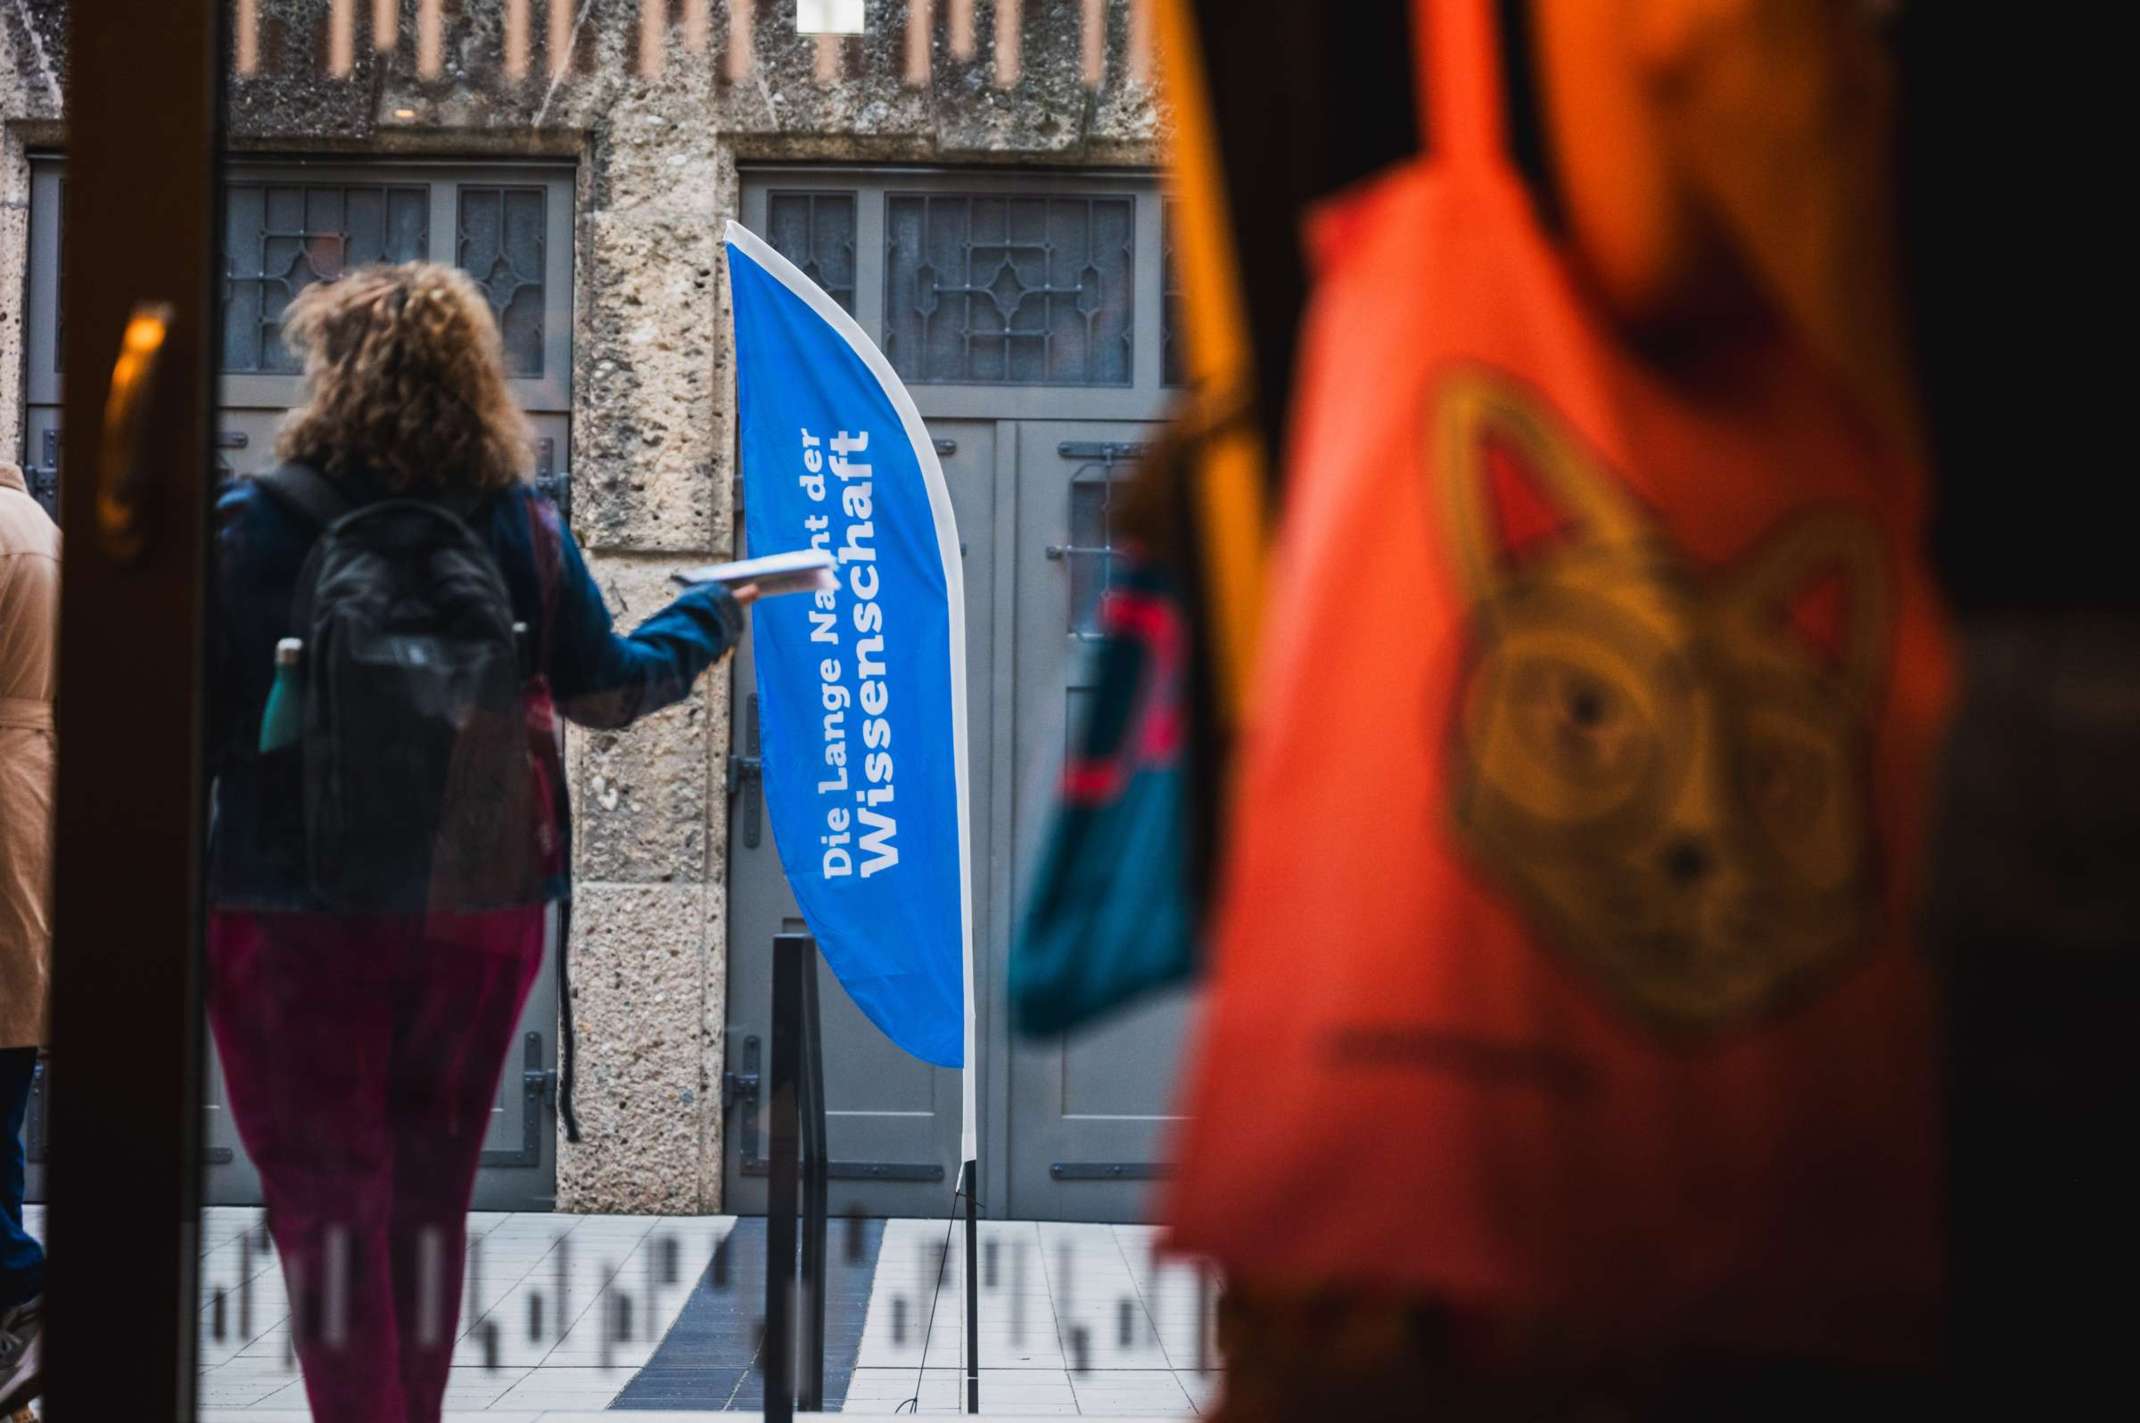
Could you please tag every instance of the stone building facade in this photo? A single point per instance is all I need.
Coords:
(656, 170)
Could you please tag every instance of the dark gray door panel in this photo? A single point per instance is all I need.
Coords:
(892, 1122)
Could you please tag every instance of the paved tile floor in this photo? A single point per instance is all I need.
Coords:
(1074, 1319)
(540, 1290)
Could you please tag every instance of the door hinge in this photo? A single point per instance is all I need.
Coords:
(740, 769)
(746, 769)
(538, 1085)
(737, 1087)
(745, 773)
(743, 1087)
(43, 479)
(552, 483)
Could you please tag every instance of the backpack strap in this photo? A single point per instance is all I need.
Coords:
(546, 538)
(305, 491)
(567, 1048)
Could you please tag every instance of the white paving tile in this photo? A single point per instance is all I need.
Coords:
(565, 1388)
(479, 1388)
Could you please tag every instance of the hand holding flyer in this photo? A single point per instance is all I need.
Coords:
(803, 570)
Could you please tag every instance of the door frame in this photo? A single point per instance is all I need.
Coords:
(145, 85)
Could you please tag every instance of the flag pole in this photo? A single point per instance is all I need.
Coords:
(973, 1290)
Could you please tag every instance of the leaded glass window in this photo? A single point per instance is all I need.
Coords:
(816, 231)
(1091, 552)
(291, 223)
(1009, 290)
(280, 238)
(500, 244)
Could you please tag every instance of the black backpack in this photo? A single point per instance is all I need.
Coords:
(420, 792)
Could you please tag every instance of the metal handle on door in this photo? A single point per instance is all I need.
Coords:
(122, 493)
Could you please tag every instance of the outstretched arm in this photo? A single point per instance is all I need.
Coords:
(606, 679)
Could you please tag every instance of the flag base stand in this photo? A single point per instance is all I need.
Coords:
(793, 1354)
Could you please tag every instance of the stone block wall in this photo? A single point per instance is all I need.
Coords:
(652, 412)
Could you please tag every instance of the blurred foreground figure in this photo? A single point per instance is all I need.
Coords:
(29, 626)
(1571, 1046)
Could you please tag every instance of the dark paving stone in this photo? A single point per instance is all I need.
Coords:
(709, 1357)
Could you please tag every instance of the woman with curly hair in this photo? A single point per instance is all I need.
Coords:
(363, 1047)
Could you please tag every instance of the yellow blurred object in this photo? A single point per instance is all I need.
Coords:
(1229, 499)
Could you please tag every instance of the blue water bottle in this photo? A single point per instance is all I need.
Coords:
(283, 720)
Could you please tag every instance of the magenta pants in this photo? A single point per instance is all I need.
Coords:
(362, 1054)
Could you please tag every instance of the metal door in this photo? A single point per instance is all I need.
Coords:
(511, 227)
(893, 1121)
(1088, 1113)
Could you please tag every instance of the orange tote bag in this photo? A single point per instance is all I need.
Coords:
(1563, 967)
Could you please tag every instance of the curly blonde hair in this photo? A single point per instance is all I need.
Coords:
(405, 379)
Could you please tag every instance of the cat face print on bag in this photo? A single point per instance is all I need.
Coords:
(1663, 764)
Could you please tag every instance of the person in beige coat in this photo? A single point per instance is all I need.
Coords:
(29, 627)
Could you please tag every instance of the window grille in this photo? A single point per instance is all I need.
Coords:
(1009, 290)
(500, 244)
(280, 238)
(816, 231)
